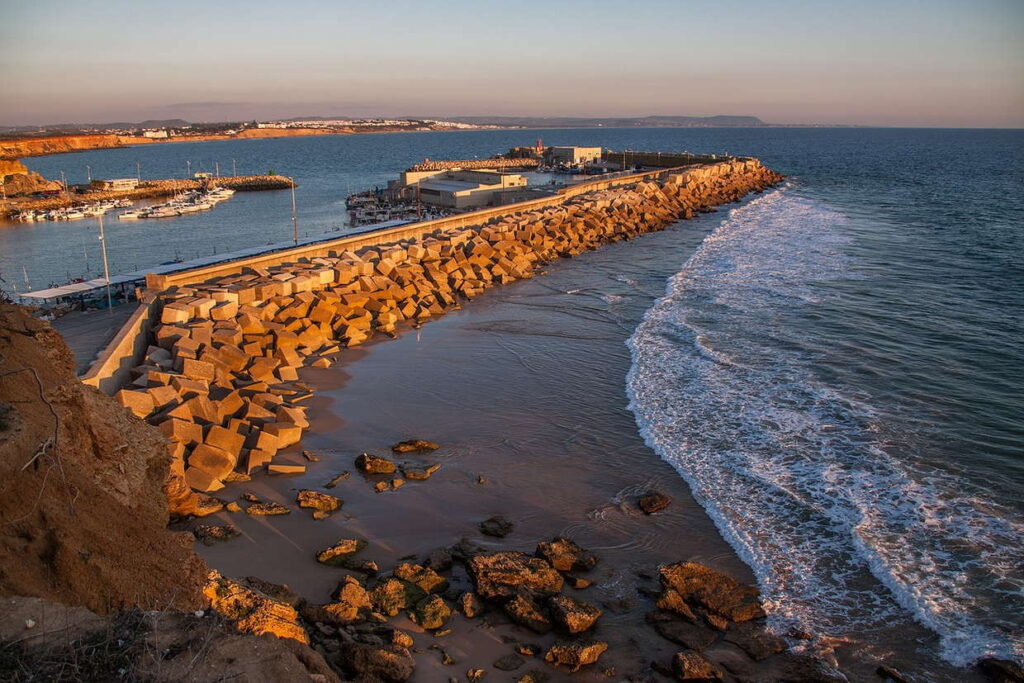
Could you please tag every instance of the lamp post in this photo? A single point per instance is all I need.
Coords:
(295, 216)
(106, 270)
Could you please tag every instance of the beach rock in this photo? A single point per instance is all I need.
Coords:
(432, 612)
(754, 639)
(392, 595)
(418, 472)
(790, 666)
(496, 526)
(427, 579)
(566, 556)
(310, 456)
(470, 605)
(1001, 670)
(267, 509)
(498, 575)
(572, 615)
(465, 550)
(653, 501)
(339, 553)
(440, 560)
(351, 602)
(401, 638)
(577, 582)
(249, 497)
(382, 486)
(413, 445)
(691, 636)
(473, 675)
(374, 464)
(523, 610)
(692, 666)
(233, 507)
(387, 664)
(251, 611)
(509, 663)
(275, 591)
(720, 594)
(528, 649)
(322, 504)
(336, 480)
(210, 534)
(576, 655)
(888, 673)
(671, 601)
(534, 676)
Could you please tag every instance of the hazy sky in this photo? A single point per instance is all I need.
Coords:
(884, 62)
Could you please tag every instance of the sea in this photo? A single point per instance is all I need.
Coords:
(837, 369)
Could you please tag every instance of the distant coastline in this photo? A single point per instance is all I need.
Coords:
(17, 142)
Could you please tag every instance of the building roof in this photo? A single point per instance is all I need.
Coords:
(450, 185)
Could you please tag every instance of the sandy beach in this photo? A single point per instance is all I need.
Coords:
(523, 389)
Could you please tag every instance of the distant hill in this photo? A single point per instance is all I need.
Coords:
(612, 122)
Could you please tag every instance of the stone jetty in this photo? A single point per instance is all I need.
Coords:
(220, 378)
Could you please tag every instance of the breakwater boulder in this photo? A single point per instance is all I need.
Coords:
(220, 379)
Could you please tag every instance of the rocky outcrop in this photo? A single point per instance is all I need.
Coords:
(252, 611)
(73, 467)
(47, 641)
(499, 575)
(17, 180)
(702, 587)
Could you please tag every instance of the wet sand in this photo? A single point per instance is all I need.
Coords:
(524, 387)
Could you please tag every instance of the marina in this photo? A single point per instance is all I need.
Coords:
(189, 202)
(72, 213)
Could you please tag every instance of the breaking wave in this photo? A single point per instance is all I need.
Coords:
(845, 534)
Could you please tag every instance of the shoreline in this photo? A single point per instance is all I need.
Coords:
(13, 149)
(391, 390)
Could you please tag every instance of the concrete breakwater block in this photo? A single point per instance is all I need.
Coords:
(221, 378)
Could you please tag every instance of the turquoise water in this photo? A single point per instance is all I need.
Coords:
(837, 371)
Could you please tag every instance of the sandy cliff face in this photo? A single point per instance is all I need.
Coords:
(83, 513)
(34, 147)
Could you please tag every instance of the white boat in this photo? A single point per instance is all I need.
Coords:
(129, 216)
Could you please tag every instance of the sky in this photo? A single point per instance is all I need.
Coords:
(956, 63)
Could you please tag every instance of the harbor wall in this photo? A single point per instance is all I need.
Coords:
(112, 367)
(410, 231)
(661, 159)
(222, 348)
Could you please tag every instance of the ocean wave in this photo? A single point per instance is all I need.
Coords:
(844, 536)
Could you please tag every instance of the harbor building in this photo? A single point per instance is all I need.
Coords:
(465, 189)
(116, 184)
(575, 155)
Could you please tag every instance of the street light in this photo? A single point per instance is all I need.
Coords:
(295, 217)
(106, 270)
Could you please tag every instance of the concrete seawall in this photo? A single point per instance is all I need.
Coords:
(222, 345)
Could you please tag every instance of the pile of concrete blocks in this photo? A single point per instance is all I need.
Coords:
(221, 377)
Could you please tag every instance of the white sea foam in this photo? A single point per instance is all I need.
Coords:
(844, 537)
